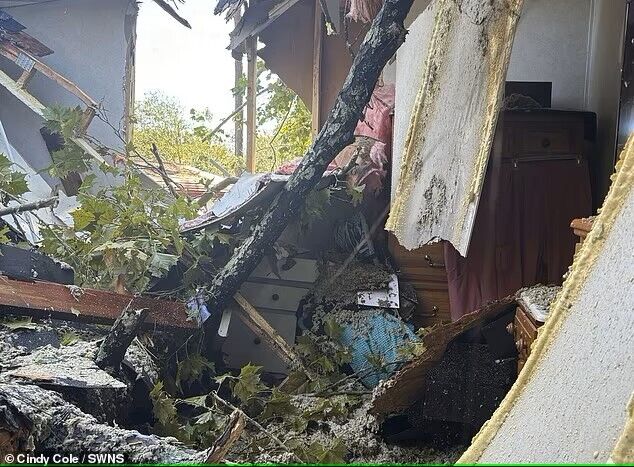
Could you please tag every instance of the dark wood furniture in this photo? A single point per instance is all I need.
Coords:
(521, 137)
(424, 269)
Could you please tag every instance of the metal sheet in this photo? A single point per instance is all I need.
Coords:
(451, 130)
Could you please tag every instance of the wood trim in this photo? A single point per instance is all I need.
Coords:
(318, 35)
(11, 52)
(41, 298)
(252, 79)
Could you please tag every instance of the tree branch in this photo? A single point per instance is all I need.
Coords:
(39, 204)
(381, 42)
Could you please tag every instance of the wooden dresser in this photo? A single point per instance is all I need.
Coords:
(521, 137)
(424, 269)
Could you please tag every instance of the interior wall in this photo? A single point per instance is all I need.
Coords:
(90, 42)
(604, 81)
(551, 44)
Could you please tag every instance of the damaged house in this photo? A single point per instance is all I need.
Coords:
(453, 283)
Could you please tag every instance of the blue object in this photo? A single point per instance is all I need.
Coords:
(386, 334)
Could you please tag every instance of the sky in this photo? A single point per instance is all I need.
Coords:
(192, 65)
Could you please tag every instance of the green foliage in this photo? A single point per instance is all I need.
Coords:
(284, 124)
(15, 324)
(161, 120)
(248, 383)
(12, 185)
(165, 413)
(192, 370)
(68, 338)
(126, 234)
(71, 158)
(12, 182)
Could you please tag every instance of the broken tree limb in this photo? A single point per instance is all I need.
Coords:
(39, 204)
(123, 331)
(381, 42)
(256, 323)
(33, 419)
(257, 425)
(231, 434)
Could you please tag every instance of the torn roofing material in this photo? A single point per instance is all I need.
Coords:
(580, 372)
(248, 192)
(453, 122)
(12, 31)
(190, 181)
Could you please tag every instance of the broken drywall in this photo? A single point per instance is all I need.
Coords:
(451, 129)
(567, 404)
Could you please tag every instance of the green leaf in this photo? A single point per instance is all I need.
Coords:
(82, 218)
(164, 408)
(69, 338)
(333, 329)
(192, 369)
(355, 193)
(248, 383)
(278, 405)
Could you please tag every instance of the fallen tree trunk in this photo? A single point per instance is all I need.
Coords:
(123, 331)
(381, 42)
(33, 419)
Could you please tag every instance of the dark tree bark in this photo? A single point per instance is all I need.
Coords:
(381, 42)
(123, 331)
(33, 419)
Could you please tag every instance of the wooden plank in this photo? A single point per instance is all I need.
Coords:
(36, 106)
(318, 34)
(254, 321)
(407, 385)
(252, 80)
(12, 53)
(41, 298)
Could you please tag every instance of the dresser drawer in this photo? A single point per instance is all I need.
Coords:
(273, 296)
(542, 138)
(242, 346)
(426, 263)
(433, 305)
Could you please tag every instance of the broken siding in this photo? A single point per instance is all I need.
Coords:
(89, 40)
(451, 130)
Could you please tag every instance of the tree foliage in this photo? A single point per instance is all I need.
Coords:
(123, 235)
(181, 138)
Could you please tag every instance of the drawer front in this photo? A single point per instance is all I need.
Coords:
(242, 346)
(278, 297)
(296, 270)
(424, 269)
(433, 305)
(544, 139)
(426, 263)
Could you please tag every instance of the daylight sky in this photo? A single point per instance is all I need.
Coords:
(192, 65)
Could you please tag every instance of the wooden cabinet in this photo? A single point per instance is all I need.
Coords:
(524, 330)
(424, 269)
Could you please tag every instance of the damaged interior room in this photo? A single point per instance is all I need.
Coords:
(316, 232)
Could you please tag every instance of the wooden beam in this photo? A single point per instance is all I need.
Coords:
(36, 106)
(12, 53)
(261, 328)
(25, 77)
(252, 82)
(41, 298)
(318, 35)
